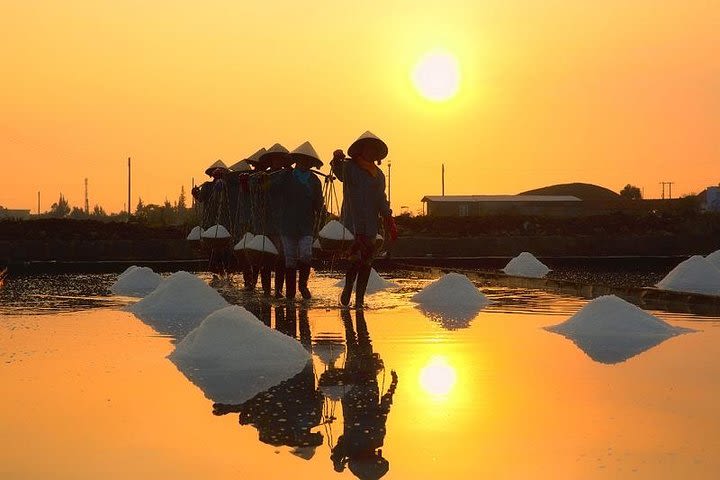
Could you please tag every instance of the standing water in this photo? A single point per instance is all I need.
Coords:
(394, 391)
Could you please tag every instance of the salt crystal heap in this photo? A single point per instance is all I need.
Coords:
(335, 237)
(375, 283)
(216, 232)
(136, 282)
(195, 234)
(694, 275)
(714, 258)
(263, 244)
(526, 265)
(231, 356)
(610, 330)
(244, 241)
(452, 300)
(335, 230)
(178, 304)
(261, 251)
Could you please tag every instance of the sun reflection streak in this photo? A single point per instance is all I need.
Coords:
(438, 377)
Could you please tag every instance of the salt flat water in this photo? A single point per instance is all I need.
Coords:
(391, 392)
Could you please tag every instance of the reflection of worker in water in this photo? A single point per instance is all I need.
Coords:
(286, 413)
(365, 411)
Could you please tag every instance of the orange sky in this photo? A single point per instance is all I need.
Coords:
(554, 91)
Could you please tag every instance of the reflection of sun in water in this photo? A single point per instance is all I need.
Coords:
(438, 377)
(437, 76)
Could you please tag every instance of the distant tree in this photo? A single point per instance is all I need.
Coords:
(98, 211)
(140, 206)
(78, 213)
(181, 203)
(631, 192)
(60, 209)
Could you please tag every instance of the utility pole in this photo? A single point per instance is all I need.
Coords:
(87, 199)
(443, 179)
(128, 202)
(669, 184)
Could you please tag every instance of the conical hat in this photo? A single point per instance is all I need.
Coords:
(241, 166)
(276, 151)
(218, 164)
(253, 159)
(380, 149)
(306, 151)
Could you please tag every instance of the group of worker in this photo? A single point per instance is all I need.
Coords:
(277, 193)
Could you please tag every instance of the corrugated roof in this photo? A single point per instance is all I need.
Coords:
(500, 198)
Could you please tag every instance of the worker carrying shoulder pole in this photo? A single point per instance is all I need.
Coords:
(364, 201)
(303, 206)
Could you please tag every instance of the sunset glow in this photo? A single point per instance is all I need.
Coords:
(437, 76)
(608, 93)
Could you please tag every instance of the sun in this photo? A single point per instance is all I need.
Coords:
(438, 377)
(437, 76)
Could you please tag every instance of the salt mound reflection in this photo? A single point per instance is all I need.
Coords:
(452, 300)
(232, 356)
(610, 330)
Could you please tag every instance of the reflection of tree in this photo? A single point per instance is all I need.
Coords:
(365, 411)
(286, 413)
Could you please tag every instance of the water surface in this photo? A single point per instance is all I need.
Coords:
(88, 392)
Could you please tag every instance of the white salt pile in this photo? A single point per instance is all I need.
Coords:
(216, 232)
(611, 330)
(452, 300)
(263, 244)
(195, 233)
(244, 241)
(375, 283)
(127, 271)
(232, 356)
(451, 290)
(335, 230)
(526, 265)
(714, 258)
(136, 282)
(694, 275)
(181, 297)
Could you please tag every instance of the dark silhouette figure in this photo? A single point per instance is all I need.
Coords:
(365, 410)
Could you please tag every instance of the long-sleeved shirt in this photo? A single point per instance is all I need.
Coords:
(364, 198)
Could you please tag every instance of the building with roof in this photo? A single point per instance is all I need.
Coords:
(14, 214)
(479, 205)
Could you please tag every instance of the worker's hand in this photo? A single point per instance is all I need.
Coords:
(338, 155)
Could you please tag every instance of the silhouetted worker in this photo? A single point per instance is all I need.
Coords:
(303, 206)
(365, 411)
(241, 212)
(269, 203)
(213, 197)
(212, 194)
(364, 201)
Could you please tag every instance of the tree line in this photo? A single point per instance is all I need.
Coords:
(175, 213)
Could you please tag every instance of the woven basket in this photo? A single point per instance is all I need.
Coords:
(217, 243)
(335, 246)
(260, 259)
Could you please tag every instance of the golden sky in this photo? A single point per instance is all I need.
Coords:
(612, 92)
